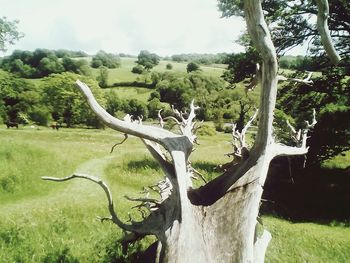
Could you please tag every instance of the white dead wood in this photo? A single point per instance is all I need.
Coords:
(240, 148)
(300, 138)
(307, 80)
(323, 30)
(255, 80)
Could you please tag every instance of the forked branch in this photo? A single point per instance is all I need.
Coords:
(241, 151)
(300, 138)
(186, 125)
(307, 80)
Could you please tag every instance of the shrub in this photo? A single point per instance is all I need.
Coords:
(137, 69)
(192, 67)
(206, 130)
(169, 66)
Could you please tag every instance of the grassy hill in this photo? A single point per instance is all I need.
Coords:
(43, 221)
(124, 74)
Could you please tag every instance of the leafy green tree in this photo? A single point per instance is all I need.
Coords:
(147, 60)
(49, 65)
(103, 77)
(192, 67)
(105, 59)
(65, 102)
(241, 66)
(153, 106)
(113, 103)
(17, 96)
(136, 108)
(9, 33)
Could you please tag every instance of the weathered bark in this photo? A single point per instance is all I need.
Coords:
(216, 222)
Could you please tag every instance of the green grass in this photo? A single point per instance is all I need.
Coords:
(181, 67)
(340, 161)
(307, 242)
(124, 74)
(43, 221)
(141, 94)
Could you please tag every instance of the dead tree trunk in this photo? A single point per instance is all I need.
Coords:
(218, 221)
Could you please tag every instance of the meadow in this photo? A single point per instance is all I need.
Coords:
(43, 221)
(124, 74)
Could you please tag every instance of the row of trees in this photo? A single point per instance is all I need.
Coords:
(206, 59)
(43, 62)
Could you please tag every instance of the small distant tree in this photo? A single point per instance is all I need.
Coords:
(147, 60)
(103, 77)
(113, 103)
(9, 33)
(137, 69)
(169, 66)
(192, 66)
(105, 59)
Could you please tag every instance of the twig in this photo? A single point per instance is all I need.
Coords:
(125, 138)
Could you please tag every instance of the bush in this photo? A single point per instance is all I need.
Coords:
(105, 59)
(137, 69)
(169, 66)
(192, 67)
(206, 130)
(40, 116)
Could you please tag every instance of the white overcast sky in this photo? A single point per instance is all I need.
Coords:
(165, 27)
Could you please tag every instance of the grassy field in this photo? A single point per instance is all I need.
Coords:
(141, 94)
(43, 221)
(124, 74)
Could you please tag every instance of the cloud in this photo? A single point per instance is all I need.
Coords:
(161, 26)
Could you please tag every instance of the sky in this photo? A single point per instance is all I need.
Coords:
(165, 27)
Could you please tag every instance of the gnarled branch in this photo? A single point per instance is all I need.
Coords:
(299, 137)
(105, 188)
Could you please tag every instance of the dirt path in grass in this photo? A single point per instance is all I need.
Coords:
(75, 190)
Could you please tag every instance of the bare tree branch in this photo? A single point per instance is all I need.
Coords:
(161, 121)
(105, 188)
(142, 131)
(119, 143)
(322, 27)
(306, 80)
(255, 81)
(241, 151)
(299, 137)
